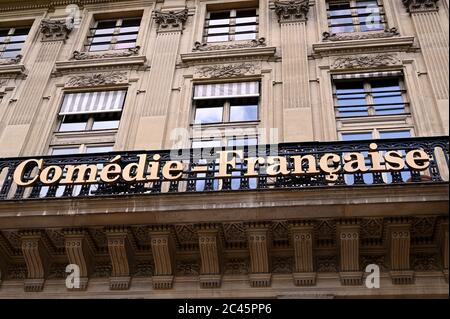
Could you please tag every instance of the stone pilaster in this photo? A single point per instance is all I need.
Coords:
(258, 245)
(163, 257)
(399, 246)
(122, 257)
(209, 245)
(302, 238)
(54, 32)
(295, 74)
(157, 97)
(348, 240)
(80, 253)
(37, 258)
(433, 40)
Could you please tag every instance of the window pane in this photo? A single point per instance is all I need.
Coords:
(101, 39)
(219, 18)
(246, 28)
(356, 136)
(387, 97)
(66, 150)
(73, 123)
(395, 134)
(245, 36)
(125, 45)
(351, 99)
(99, 149)
(106, 121)
(127, 37)
(244, 113)
(220, 38)
(102, 47)
(218, 30)
(208, 115)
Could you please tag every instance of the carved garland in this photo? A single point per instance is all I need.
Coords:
(365, 61)
(198, 46)
(388, 33)
(226, 70)
(77, 55)
(97, 79)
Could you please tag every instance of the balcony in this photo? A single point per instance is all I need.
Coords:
(263, 168)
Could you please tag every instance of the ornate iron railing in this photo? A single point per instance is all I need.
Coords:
(206, 179)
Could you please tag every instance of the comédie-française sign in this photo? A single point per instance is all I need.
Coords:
(151, 169)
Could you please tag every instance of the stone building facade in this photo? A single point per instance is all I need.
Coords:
(86, 81)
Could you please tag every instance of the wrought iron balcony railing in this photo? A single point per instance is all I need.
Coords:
(283, 166)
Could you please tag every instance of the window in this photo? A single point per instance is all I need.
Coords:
(231, 25)
(370, 97)
(12, 41)
(226, 103)
(355, 16)
(91, 111)
(113, 34)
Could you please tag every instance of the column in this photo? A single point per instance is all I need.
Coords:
(151, 127)
(348, 241)
(399, 244)
(36, 255)
(297, 112)
(302, 239)
(15, 135)
(163, 257)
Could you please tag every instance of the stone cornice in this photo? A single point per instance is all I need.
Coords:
(415, 6)
(46, 4)
(388, 33)
(229, 55)
(292, 11)
(171, 20)
(101, 63)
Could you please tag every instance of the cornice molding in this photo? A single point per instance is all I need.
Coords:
(131, 62)
(77, 55)
(198, 46)
(10, 61)
(46, 4)
(171, 20)
(229, 55)
(292, 11)
(415, 6)
(388, 33)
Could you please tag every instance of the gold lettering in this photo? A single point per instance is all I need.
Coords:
(394, 161)
(325, 165)
(111, 172)
(172, 170)
(154, 168)
(251, 163)
(277, 165)
(51, 175)
(80, 171)
(376, 158)
(354, 165)
(417, 160)
(224, 162)
(139, 170)
(298, 165)
(20, 171)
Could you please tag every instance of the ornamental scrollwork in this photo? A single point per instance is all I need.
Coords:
(388, 33)
(77, 55)
(294, 10)
(97, 79)
(55, 30)
(171, 20)
(198, 46)
(414, 6)
(10, 61)
(365, 61)
(226, 70)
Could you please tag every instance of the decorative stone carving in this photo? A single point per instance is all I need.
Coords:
(414, 6)
(290, 11)
(55, 30)
(171, 20)
(187, 268)
(17, 272)
(77, 55)
(423, 228)
(144, 269)
(302, 239)
(210, 254)
(97, 79)
(234, 234)
(326, 263)
(163, 257)
(236, 267)
(388, 33)
(348, 238)
(425, 262)
(258, 244)
(10, 61)
(372, 228)
(226, 70)
(378, 260)
(399, 243)
(199, 46)
(280, 232)
(282, 265)
(186, 235)
(365, 61)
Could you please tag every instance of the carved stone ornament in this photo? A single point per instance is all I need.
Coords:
(97, 79)
(77, 55)
(226, 70)
(171, 20)
(10, 61)
(198, 46)
(388, 33)
(290, 11)
(414, 6)
(365, 61)
(55, 30)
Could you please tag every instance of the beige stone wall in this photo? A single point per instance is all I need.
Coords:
(294, 67)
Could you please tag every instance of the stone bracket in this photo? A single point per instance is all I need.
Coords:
(351, 278)
(36, 256)
(304, 278)
(260, 280)
(258, 244)
(348, 240)
(163, 257)
(210, 252)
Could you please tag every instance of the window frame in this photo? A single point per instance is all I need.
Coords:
(7, 41)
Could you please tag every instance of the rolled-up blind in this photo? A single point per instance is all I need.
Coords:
(93, 102)
(226, 90)
(367, 75)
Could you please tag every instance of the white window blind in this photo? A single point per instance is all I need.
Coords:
(93, 102)
(226, 90)
(367, 75)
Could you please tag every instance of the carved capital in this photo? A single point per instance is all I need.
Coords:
(258, 244)
(399, 245)
(36, 255)
(55, 30)
(97, 79)
(171, 20)
(209, 245)
(226, 70)
(348, 239)
(302, 240)
(163, 258)
(365, 61)
(292, 11)
(415, 6)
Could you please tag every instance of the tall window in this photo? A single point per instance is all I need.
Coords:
(226, 103)
(355, 16)
(12, 41)
(113, 34)
(370, 97)
(91, 111)
(231, 25)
